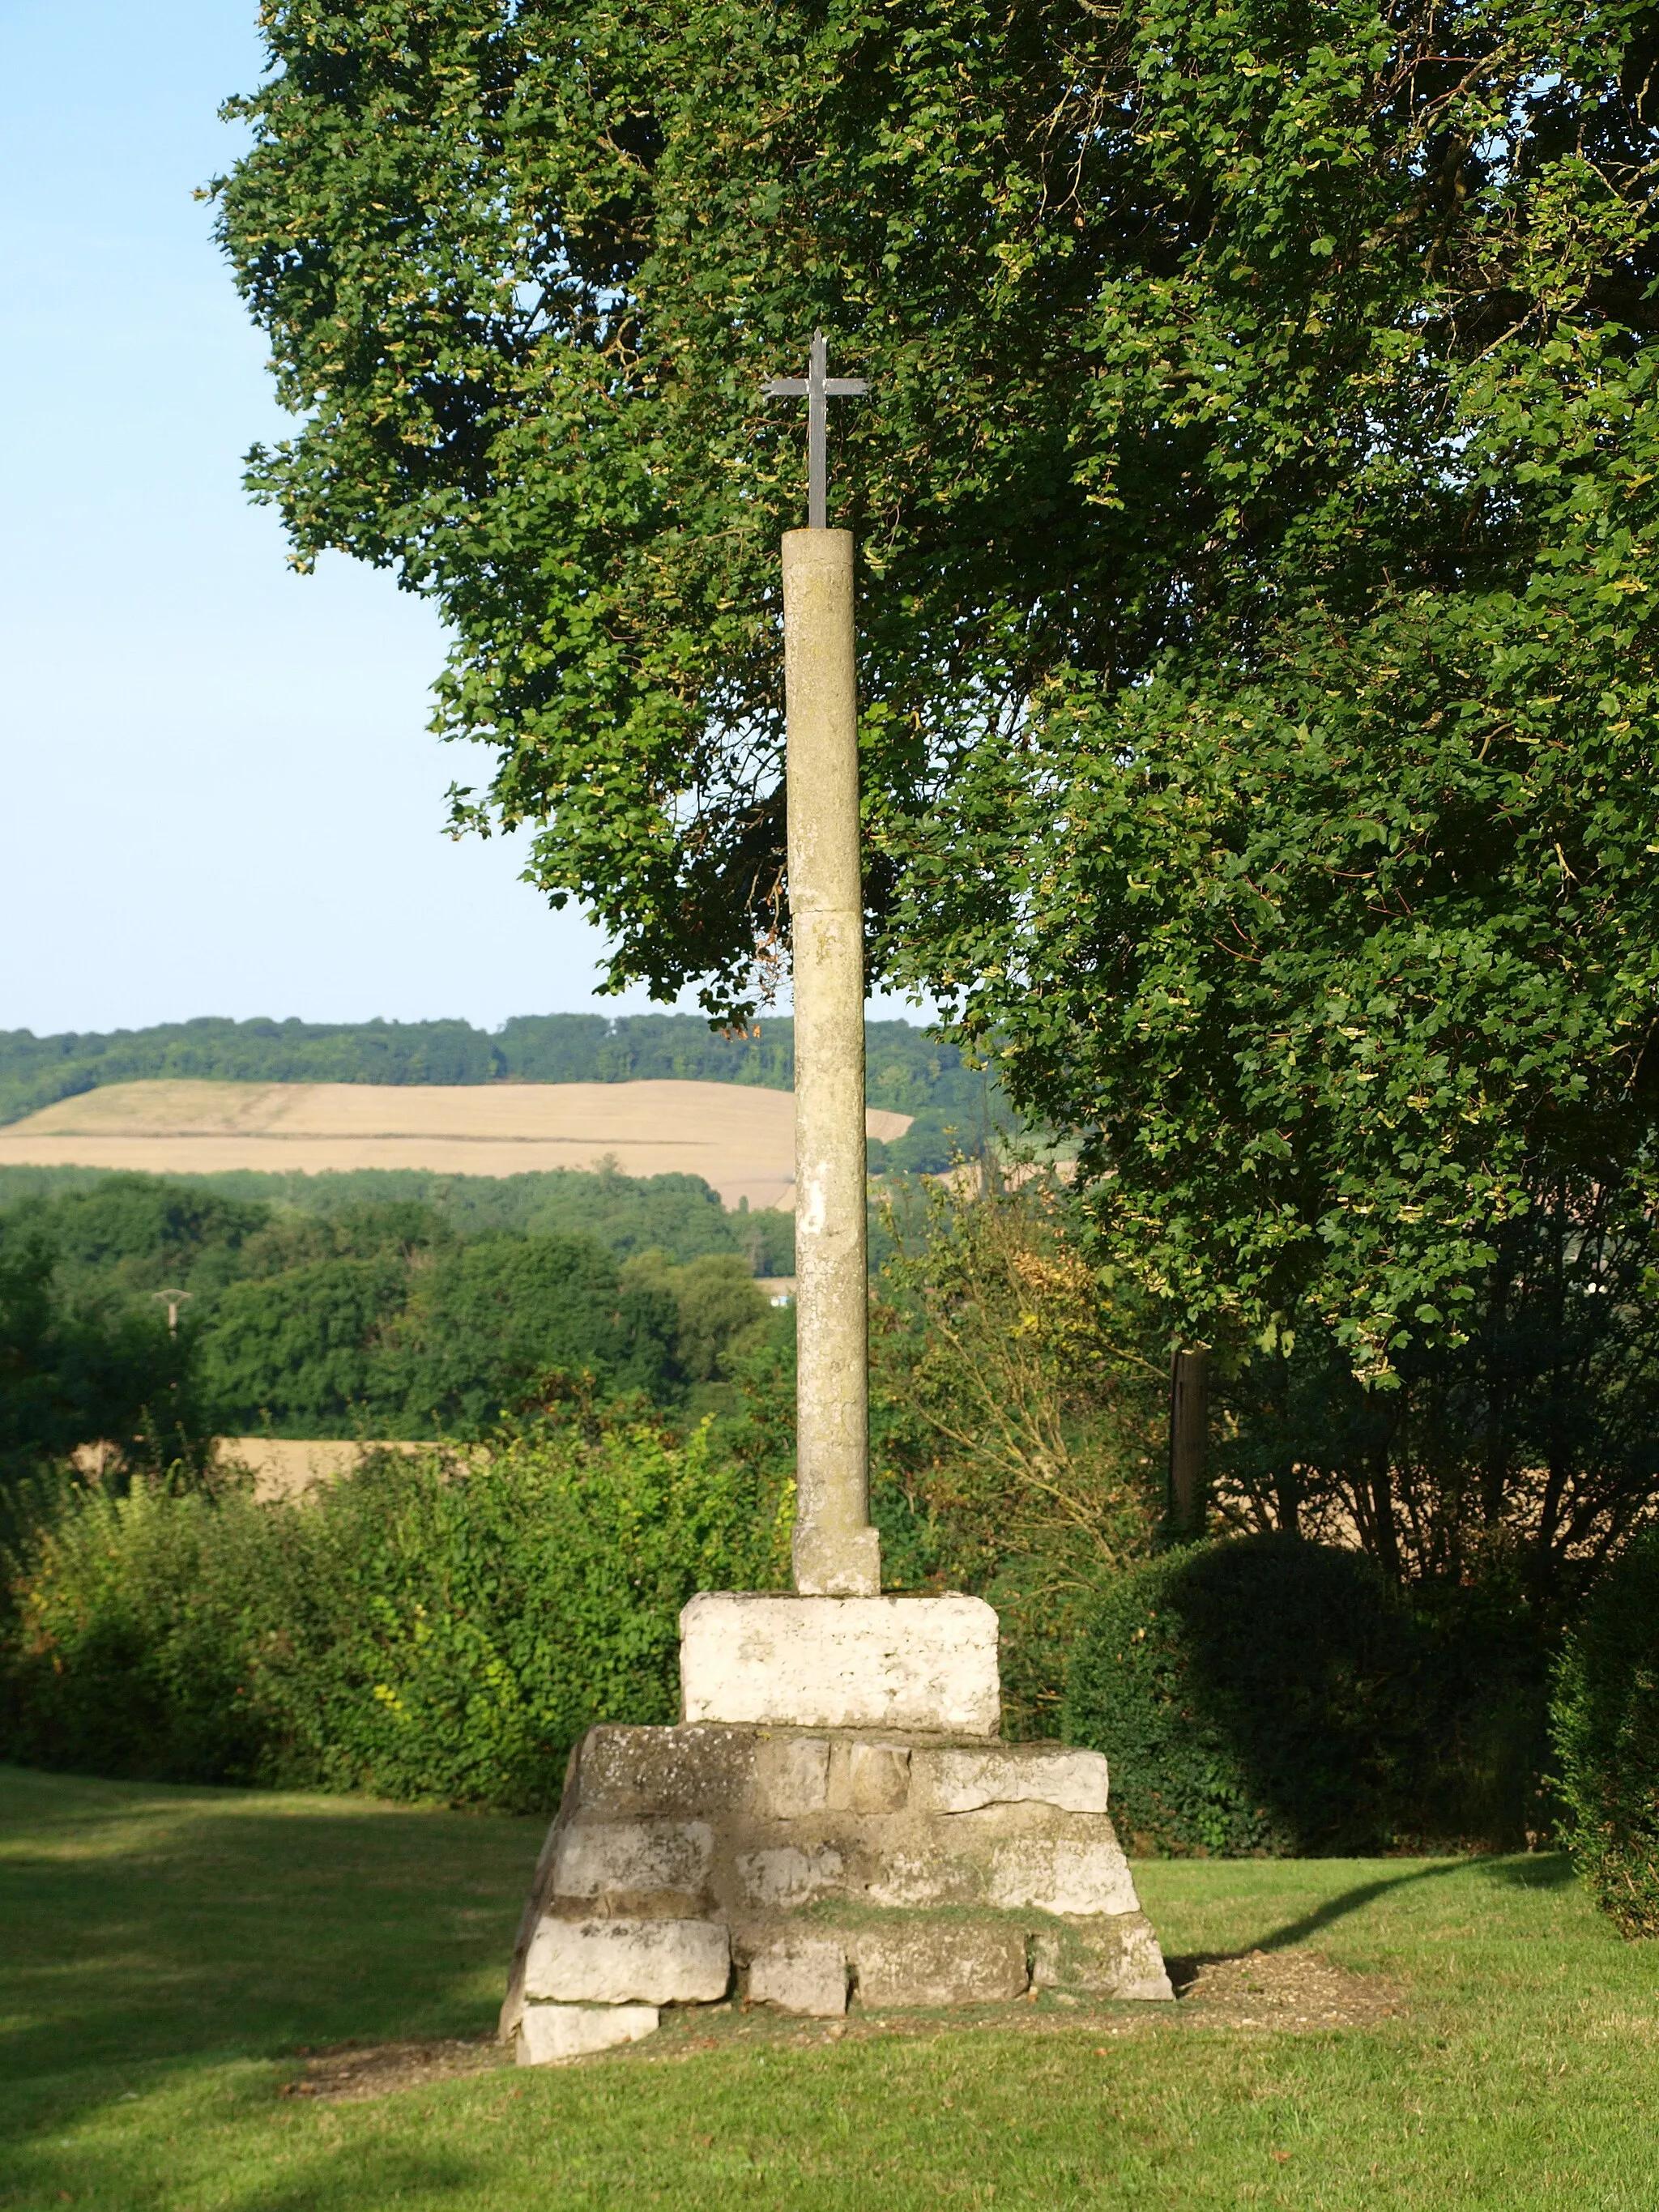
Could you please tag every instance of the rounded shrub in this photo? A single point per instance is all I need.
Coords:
(1604, 1726)
(1253, 1696)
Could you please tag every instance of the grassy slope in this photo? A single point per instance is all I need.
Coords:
(166, 1950)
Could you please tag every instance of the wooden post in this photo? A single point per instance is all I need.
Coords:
(1189, 1432)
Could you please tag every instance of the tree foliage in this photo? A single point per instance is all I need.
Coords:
(1016, 1419)
(375, 1316)
(1523, 1457)
(1256, 497)
(75, 1370)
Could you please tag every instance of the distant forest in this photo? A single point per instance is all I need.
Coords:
(908, 1071)
(365, 1312)
(678, 1214)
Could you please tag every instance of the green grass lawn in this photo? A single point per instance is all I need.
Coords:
(166, 1954)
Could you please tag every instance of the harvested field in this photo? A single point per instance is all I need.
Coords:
(740, 1139)
(286, 1467)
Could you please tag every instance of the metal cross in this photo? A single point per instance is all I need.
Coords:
(815, 387)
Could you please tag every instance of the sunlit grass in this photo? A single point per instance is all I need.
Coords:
(167, 1952)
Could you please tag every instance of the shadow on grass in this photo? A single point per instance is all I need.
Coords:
(1183, 1971)
(338, 2178)
(1539, 1870)
(1353, 1900)
(154, 1924)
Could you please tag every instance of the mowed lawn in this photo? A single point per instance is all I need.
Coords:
(170, 1957)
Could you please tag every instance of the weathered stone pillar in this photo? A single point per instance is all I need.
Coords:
(837, 1553)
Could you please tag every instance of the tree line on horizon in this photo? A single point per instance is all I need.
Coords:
(954, 1104)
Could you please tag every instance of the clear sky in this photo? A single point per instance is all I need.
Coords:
(219, 792)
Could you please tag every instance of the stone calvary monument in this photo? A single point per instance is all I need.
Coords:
(834, 1821)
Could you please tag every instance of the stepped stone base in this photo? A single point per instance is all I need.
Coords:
(810, 1869)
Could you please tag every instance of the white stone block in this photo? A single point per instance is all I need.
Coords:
(622, 1961)
(923, 1664)
(792, 1775)
(878, 1777)
(1061, 1876)
(549, 2035)
(909, 1877)
(787, 1876)
(1115, 1955)
(634, 1857)
(940, 1963)
(1015, 1774)
(801, 1973)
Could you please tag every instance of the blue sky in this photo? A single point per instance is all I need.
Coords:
(219, 792)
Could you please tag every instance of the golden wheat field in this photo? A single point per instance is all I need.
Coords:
(740, 1139)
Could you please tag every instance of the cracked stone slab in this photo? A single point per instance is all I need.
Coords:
(1014, 1774)
(788, 1876)
(791, 1775)
(623, 1772)
(1115, 1956)
(870, 1778)
(1061, 1876)
(940, 1963)
(596, 1858)
(802, 1974)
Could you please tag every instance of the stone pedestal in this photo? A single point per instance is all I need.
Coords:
(921, 1663)
(829, 1860)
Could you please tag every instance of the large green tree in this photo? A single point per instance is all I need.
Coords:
(1256, 500)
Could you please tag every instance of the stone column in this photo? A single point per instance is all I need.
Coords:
(836, 1552)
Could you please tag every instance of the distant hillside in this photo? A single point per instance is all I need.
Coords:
(740, 1137)
(909, 1071)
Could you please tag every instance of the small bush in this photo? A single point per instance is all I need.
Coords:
(1604, 1724)
(127, 1653)
(1253, 1696)
(428, 1628)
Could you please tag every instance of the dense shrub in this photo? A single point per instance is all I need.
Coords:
(1604, 1720)
(437, 1627)
(1015, 1420)
(1253, 1696)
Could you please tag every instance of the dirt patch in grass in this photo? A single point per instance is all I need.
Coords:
(353, 2073)
(1295, 1990)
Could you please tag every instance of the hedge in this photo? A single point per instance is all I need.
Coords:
(428, 1628)
(1604, 1725)
(1253, 1696)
